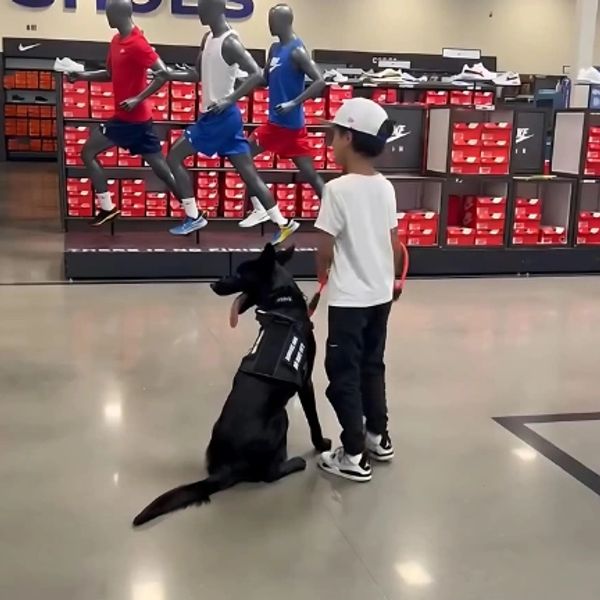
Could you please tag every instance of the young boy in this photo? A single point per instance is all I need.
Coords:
(361, 251)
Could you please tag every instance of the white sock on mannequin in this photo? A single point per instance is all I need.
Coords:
(191, 208)
(276, 216)
(105, 201)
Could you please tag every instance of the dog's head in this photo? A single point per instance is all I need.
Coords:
(263, 282)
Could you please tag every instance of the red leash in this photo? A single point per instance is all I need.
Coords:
(398, 285)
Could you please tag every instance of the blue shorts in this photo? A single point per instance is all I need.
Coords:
(221, 134)
(138, 138)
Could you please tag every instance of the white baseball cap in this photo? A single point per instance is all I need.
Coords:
(361, 114)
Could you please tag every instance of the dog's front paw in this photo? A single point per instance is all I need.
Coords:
(322, 444)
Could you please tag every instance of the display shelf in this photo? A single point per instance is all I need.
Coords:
(23, 155)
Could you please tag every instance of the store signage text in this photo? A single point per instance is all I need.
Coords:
(236, 9)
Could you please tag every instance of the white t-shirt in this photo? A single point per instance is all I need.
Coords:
(360, 211)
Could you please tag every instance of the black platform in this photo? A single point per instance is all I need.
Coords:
(158, 255)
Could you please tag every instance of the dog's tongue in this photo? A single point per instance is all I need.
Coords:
(234, 315)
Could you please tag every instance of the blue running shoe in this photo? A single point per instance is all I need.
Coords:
(189, 225)
(284, 232)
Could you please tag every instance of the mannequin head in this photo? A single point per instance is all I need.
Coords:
(119, 13)
(281, 19)
(210, 11)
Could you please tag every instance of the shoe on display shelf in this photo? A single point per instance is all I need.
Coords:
(510, 78)
(477, 72)
(590, 75)
(355, 468)
(256, 217)
(67, 65)
(189, 225)
(334, 76)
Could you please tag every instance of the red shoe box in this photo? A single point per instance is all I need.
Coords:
(460, 236)
(330, 163)
(132, 186)
(402, 222)
(73, 154)
(233, 214)
(176, 209)
(525, 239)
(76, 97)
(286, 192)
(74, 135)
(427, 237)
(81, 110)
(208, 180)
(493, 237)
(466, 138)
(493, 169)
(316, 141)
(556, 236)
(266, 160)
(461, 98)
(101, 88)
(102, 103)
(233, 180)
(528, 210)
(379, 96)
(339, 93)
(125, 159)
(156, 213)
(592, 167)
(315, 111)
(209, 163)
(237, 206)
(463, 169)
(235, 194)
(466, 154)
(183, 110)
(432, 98)
(495, 155)
(108, 158)
(244, 106)
(484, 98)
(102, 115)
(183, 90)
(588, 220)
(260, 95)
(260, 112)
(160, 109)
(333, 107)
(157, 200)
(78, 186)
(285, 164)
(78, 87)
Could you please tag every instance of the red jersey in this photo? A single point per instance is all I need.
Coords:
(128, 61)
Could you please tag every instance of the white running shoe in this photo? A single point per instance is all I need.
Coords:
(589, 75)
(67, 65)
(477, 73)
(408, 78)
(256, 217)
(508, 78)
(355, 468)
(334, 76)
(380, 447)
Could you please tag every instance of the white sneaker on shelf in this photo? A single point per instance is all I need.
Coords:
(334, 76)
(509, 78)
(380, 447)
(408, 78)
(355, 468)
(476, 73)
(590, 75)
(67, 65)
(256, 217)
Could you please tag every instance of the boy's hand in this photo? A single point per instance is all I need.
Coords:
(397, 290)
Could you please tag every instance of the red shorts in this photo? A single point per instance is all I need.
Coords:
(286, 143)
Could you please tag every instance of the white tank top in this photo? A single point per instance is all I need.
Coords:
(218, 78)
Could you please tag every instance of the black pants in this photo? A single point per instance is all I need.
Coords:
(356, 371)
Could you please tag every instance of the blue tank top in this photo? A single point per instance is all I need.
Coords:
(286, 82)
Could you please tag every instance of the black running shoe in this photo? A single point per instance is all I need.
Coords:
(105, 216)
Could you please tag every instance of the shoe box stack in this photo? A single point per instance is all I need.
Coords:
(208, 193)
(30, 127)
(385, 96)
(476, 221)
(75, 138)
(479, 99)
(260, 106)
(481, 148)
(591, 166)
(181, 102)
(335, 97)
(418, 227)
(133, 198)
(527, 225)
(80, 197)
(76, 100)
(435, 98)
(588, 228)
(102, 100)
(309, 202)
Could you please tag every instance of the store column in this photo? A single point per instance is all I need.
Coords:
(584, 36)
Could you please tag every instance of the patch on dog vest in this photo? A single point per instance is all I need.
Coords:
(279, 352)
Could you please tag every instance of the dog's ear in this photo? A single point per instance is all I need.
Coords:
(268, 257)
(284, 256)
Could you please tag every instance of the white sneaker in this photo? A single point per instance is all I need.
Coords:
(256, 217)
(477, 73)
(380, 447)
(508, 78)
(589, 75)
(408, 78)
(334, 76)
(67, 65)
(355, 468)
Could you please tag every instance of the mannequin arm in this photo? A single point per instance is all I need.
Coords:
(103, 75)
(160, 77)
(235, 53)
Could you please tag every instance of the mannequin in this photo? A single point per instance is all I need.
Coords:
(219, 129)
(285, 134)
(129, 57)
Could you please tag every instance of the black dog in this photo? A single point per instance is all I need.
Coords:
(249, 440)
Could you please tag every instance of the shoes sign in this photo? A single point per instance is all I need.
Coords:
(236, 9)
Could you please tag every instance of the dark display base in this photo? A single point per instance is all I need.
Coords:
(145, 255)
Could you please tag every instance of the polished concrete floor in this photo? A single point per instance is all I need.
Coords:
(108, 394)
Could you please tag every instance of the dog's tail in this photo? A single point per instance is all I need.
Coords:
(186, 495)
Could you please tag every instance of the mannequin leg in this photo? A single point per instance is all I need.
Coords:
(96, 144)
(256, 186)
(307, 168)
(158, 163)
(179, 152)
(184, 188)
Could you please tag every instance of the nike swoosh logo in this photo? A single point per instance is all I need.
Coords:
(26, 48)
(398, 136)
(524, 138)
